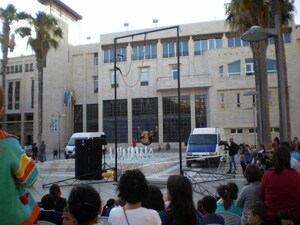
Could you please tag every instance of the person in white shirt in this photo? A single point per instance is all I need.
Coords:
(133, 188)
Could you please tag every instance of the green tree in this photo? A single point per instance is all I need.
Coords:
(7, 40)
(48, 34)
(241, 16)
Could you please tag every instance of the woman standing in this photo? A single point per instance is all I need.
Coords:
(181, 210)
(280, 186)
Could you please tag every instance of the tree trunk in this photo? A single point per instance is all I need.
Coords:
(262, 88)
(40, 102)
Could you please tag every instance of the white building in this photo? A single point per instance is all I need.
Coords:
(216, 69)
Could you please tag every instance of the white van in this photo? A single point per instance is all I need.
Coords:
(70, 148)
(203, 146)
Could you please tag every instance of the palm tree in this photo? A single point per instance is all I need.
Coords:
(7, 40)
(241, 15)
(47, 35)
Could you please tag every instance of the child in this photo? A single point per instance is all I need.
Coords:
(67, 217)
(209, 206)
(18, 171)
(257, 214)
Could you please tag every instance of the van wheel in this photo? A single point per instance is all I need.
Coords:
(67, 156)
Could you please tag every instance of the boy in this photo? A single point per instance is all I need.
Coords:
(18, 172)
(257, 214)
(209, 205)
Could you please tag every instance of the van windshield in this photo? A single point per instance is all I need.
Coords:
(203, 139)
(72, 140)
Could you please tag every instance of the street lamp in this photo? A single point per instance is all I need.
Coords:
(254, 125)
(257, 33)
(60, 115)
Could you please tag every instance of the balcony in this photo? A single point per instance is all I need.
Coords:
(186, 81)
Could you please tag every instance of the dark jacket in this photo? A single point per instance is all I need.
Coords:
(233, 148)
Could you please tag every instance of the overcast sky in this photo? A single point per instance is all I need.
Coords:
(100, 17)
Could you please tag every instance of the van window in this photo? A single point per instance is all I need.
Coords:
(202, 139)
(72, 140)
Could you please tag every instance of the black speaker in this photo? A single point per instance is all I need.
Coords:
(88, 159)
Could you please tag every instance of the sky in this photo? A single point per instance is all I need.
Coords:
(101, 17)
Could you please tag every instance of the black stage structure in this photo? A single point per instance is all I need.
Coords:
(115, 90)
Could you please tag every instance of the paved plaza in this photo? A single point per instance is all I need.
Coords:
(157, 168)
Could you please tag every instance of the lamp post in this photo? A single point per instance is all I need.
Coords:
(257, 33)
(254, 125)
(60, 115)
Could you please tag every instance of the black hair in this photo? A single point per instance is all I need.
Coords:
(54, 190)
(281, 159)
(209, 204)
(233, 189)
(259, 209)
(181, 208)
(47, 202)
(155, 199)
(284, 215)
(253, 173)
(84, 203)
(133, 186)
(225, 194)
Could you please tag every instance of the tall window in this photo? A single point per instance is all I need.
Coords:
(10, 95)
(169, 49)
(222, 100)
(113, 78)
(200, 108)
(234, 69)
(271, 64)
(31, 66)
(78, 118)
(17, 95)
(144, 76)
(20, 68)
(96, 59)
(144, 52)
(109, 55)
(203, 45)
(32, 94)
(92, 117)
(26, 67)
(96, 85)
(249, 67)
(221, 71)
(238, 100)
(174, 72)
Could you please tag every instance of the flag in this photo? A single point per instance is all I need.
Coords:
(73, 98)
(65, 98)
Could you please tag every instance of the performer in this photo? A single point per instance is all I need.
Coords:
(146, 136)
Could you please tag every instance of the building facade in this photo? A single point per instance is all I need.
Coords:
(216, 70)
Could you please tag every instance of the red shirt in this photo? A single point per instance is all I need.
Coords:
(281, 192)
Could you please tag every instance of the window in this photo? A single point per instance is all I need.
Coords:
(144, 76)
(252, 131)
(222, 100)
(96, 85)
(236, 42)
(221, 71)
(10, 95)
(174, 72)
(32, 94)
(287, 38)
(169, 49)
(31, 66)
(236, 131)
(249, 67)
(113, 78)
(16, 68)
(92, 117)
(144, 52)
(234, 69)
(20, 68)
(7, 69)
(95, 59)
(203, 45)
(271, 65)
(17, 95)
(26, 67)
(238, 100)
(270, 97)
(12, 69)
(109, 55)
